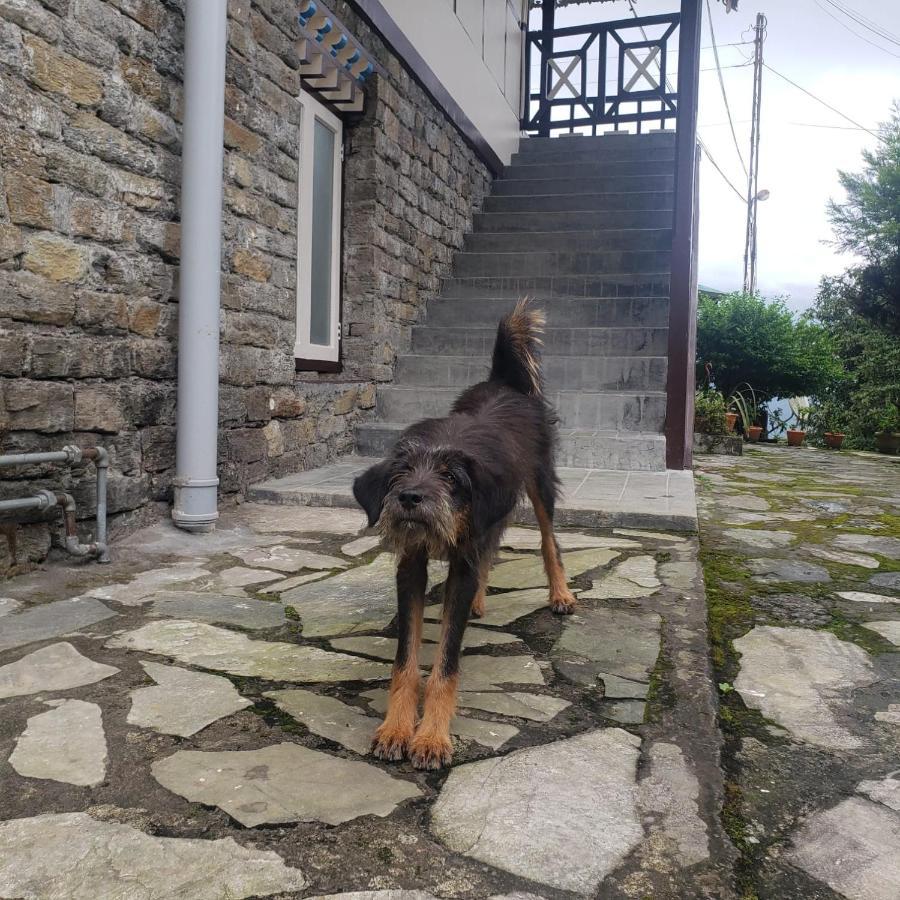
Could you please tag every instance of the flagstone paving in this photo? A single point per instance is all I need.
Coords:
(203, 645)
(236, 703)
(574, 799)
(57, 667)
(183, 702)
(237, 689)
(73, 855)
(804, 641)
(66, 743)
(51, 620)
(283, 783)
(529, 572)
(240, 611)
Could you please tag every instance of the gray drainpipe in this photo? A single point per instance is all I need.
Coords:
(196, 481)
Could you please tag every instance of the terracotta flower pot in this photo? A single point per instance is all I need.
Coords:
(753, 433)
(795, 437)
(834, 439)
(888, 442)
(731, 418)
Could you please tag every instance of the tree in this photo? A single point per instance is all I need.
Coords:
(867, 224)
(869, 390)
(860, 309)
(744, 338)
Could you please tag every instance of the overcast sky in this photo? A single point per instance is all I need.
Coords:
(798, 163)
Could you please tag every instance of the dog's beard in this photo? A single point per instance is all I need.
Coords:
(433, 525)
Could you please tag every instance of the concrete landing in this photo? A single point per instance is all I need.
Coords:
(597, 498)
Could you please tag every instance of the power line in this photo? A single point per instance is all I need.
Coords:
(852, 31)
(712, 35)
(820, 100)
(703, 146)
(868, 24)
(833, 127)
(716, 166)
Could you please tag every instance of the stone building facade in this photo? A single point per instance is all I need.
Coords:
(90, 112)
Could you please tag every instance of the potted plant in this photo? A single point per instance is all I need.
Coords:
(747, 403)
(731, 418)
(827, 423)
(800, 410)
(887, 436)
(709, 412)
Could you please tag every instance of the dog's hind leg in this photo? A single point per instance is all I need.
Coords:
(394, 734)
(543, 498)
(431, 747)
(485, 563)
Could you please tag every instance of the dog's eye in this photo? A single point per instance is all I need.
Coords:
(449, 477)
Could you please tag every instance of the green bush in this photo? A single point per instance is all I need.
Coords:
(860, 309)
(709, 413)
(746, 339)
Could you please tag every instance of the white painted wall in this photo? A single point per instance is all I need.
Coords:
(474, 47)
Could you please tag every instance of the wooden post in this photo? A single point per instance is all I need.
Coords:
(683, 281)
(548, 23)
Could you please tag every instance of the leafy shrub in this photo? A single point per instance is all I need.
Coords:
(709, 413)
(745, 338)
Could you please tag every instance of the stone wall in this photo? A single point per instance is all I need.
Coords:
(90, 124)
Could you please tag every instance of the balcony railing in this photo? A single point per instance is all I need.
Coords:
(604, 76)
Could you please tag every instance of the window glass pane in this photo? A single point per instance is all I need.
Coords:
(322, 212)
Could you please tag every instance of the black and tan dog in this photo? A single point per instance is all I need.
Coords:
(447, 492)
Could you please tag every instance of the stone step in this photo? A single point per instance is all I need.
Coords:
(561, 373)
(604, 410)
(584, 341)
(561, 263)
(585, 312)
(579, 448)
(590, 497)
(574, 220)
(604, 143)
(565, 168)
(545, 287)
(601, 156)
(570, 241)
(613, 199)
(600, 184)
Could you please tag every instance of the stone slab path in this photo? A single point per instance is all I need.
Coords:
(195, 719)
(805, 625)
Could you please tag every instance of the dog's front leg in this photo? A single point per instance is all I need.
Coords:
(396, 731)
(431, 747)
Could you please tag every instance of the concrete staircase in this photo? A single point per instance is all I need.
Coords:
(582, 225)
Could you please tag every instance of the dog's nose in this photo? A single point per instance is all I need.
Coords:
(409, 499)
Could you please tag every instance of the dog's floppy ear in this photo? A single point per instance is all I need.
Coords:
(371, 488)
(493, 495)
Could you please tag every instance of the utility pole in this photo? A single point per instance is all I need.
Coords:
(753, 175)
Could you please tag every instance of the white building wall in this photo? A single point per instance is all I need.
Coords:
(474, 47)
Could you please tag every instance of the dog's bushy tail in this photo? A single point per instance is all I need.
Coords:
(516, 361)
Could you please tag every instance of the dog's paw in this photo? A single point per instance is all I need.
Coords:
(391, 744)
(431, 751)
(477, 610)
(563, 603)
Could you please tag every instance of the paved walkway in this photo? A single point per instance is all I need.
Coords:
(801, 552)
(193, 720)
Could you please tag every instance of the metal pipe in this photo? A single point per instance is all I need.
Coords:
(66, 502)
(101, 461)
(196, 481)
(41, 500)
(46, 499)
(68, 455)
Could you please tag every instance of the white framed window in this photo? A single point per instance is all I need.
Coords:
(318, 237)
